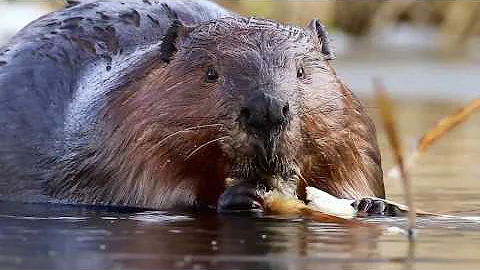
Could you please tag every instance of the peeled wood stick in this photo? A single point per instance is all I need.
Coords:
(279, 204)
(392, 134)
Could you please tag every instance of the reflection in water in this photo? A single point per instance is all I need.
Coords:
(199, 242)
(36, 236)
(229, 242)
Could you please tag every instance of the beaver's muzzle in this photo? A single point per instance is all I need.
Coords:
(264, 117)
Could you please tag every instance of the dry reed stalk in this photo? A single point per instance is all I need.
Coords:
(446, 124)
(438, 131)
(442, 127)
(395, 143)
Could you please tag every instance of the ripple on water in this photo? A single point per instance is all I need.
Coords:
(44, 218)
(159, 217)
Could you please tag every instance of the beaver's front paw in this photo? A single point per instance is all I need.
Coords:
(375, 207)
(242, 197)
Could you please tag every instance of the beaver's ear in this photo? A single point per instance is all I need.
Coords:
(172, 40)
(71, 3)
(174, 35)
(319, 31)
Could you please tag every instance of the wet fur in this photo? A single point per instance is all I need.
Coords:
(55, 75)
(155, 124)
(161, 136)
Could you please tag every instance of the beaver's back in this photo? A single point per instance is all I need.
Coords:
(55, 71)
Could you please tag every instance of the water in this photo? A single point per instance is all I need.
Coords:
(91, 239)
(39, 236)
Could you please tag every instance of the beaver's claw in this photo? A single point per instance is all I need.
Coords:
(376, 207)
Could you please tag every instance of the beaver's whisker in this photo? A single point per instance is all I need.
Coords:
(299, 174)
(205, 144)
(190, 129)
(200, 117)
(346, 111)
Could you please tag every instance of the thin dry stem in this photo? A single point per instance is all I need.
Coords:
(442, 128)
(447, 124)
(395, 142)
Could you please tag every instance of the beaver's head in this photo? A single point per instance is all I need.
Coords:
(246, 99)
(254, 78)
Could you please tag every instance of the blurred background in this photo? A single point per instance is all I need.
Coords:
(426, 52)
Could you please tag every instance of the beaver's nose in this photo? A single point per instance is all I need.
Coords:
(265, 112)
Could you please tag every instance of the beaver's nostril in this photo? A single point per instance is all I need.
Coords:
(286, 110)
(244, 114)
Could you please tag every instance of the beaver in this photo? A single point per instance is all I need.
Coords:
(152, 105)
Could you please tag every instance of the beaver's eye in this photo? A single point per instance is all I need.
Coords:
(300, 73)
(211, 75)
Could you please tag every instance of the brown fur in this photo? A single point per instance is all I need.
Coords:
(169, 138)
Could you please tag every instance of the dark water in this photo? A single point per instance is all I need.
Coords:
(39, 237)
(446, 180)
